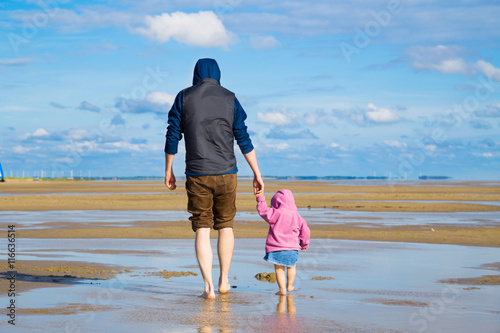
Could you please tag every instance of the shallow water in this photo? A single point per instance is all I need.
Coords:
(364, 274)
(317, 216)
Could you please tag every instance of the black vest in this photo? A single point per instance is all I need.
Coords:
(207, 123)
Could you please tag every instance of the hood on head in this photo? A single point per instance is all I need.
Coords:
(283, 199)
(206, 68)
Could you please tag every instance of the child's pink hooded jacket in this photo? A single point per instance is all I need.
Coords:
(286, 226)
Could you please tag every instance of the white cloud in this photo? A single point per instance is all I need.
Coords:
(115, 147)
(40, 133)
(15, 61)
(83, 147)
(278, 147)
(431, 147)
(158, 102)
(160, 97)
(488, 69)
(440, 58)
(395, 143)
(203, 29)
(23, 150)
(488, 155)
(278, 117)
(380, 115)
(67, 160)
(369, 115)
(448, 60)
(334, 145)
(76, 134)
(310, 119)
(263, 42)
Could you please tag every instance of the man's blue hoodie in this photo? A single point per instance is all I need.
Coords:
(205, 69)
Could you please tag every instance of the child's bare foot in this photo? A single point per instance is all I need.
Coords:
(290, 288)
(281, 293)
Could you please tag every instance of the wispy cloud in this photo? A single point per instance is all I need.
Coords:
(371, 114)
(23, 149)
(86, 106)
(277, 133)
(480, 124)
(449, 60)
(9, 62)
(74, 134)
(158, 102)
(440, 58)
(492, 111)
(57, 105)
(278, 117)
(118, 120)
(263, 42)
(87, 17)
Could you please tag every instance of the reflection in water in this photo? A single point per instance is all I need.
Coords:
(284, 319)
(216, 315)
(286, 305)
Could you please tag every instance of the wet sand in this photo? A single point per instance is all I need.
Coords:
(430, 197)
(141, 274)
(375, 287)
(383, 196)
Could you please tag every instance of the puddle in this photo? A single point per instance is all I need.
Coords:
(373, 284)
(80, 193)
(318, 216)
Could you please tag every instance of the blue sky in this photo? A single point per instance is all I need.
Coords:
(361, 87)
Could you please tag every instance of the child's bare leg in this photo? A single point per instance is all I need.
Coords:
(280, 277)
(205, 257)
(290, 277)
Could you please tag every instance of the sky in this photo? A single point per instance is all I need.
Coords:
(351, 88)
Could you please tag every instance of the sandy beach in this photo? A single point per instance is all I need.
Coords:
(385, 256)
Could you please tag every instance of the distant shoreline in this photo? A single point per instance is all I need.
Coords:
(424, 178)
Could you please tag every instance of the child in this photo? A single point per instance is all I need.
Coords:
(286, 229)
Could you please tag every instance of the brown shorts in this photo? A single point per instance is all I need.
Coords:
(211, 200)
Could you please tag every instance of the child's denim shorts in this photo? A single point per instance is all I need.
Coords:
(286, 258)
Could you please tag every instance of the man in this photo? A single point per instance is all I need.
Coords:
(211, 118)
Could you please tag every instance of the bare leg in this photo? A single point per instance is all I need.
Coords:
(225, 246)
(280, 277)
(290, 277)
(205, 258)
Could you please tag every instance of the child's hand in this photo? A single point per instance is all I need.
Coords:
(303, 249)
(258, 195)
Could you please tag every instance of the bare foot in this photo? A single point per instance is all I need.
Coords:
(224, 287)
(281, 293)
(290, 288)
(209, 292)
(208, 295)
